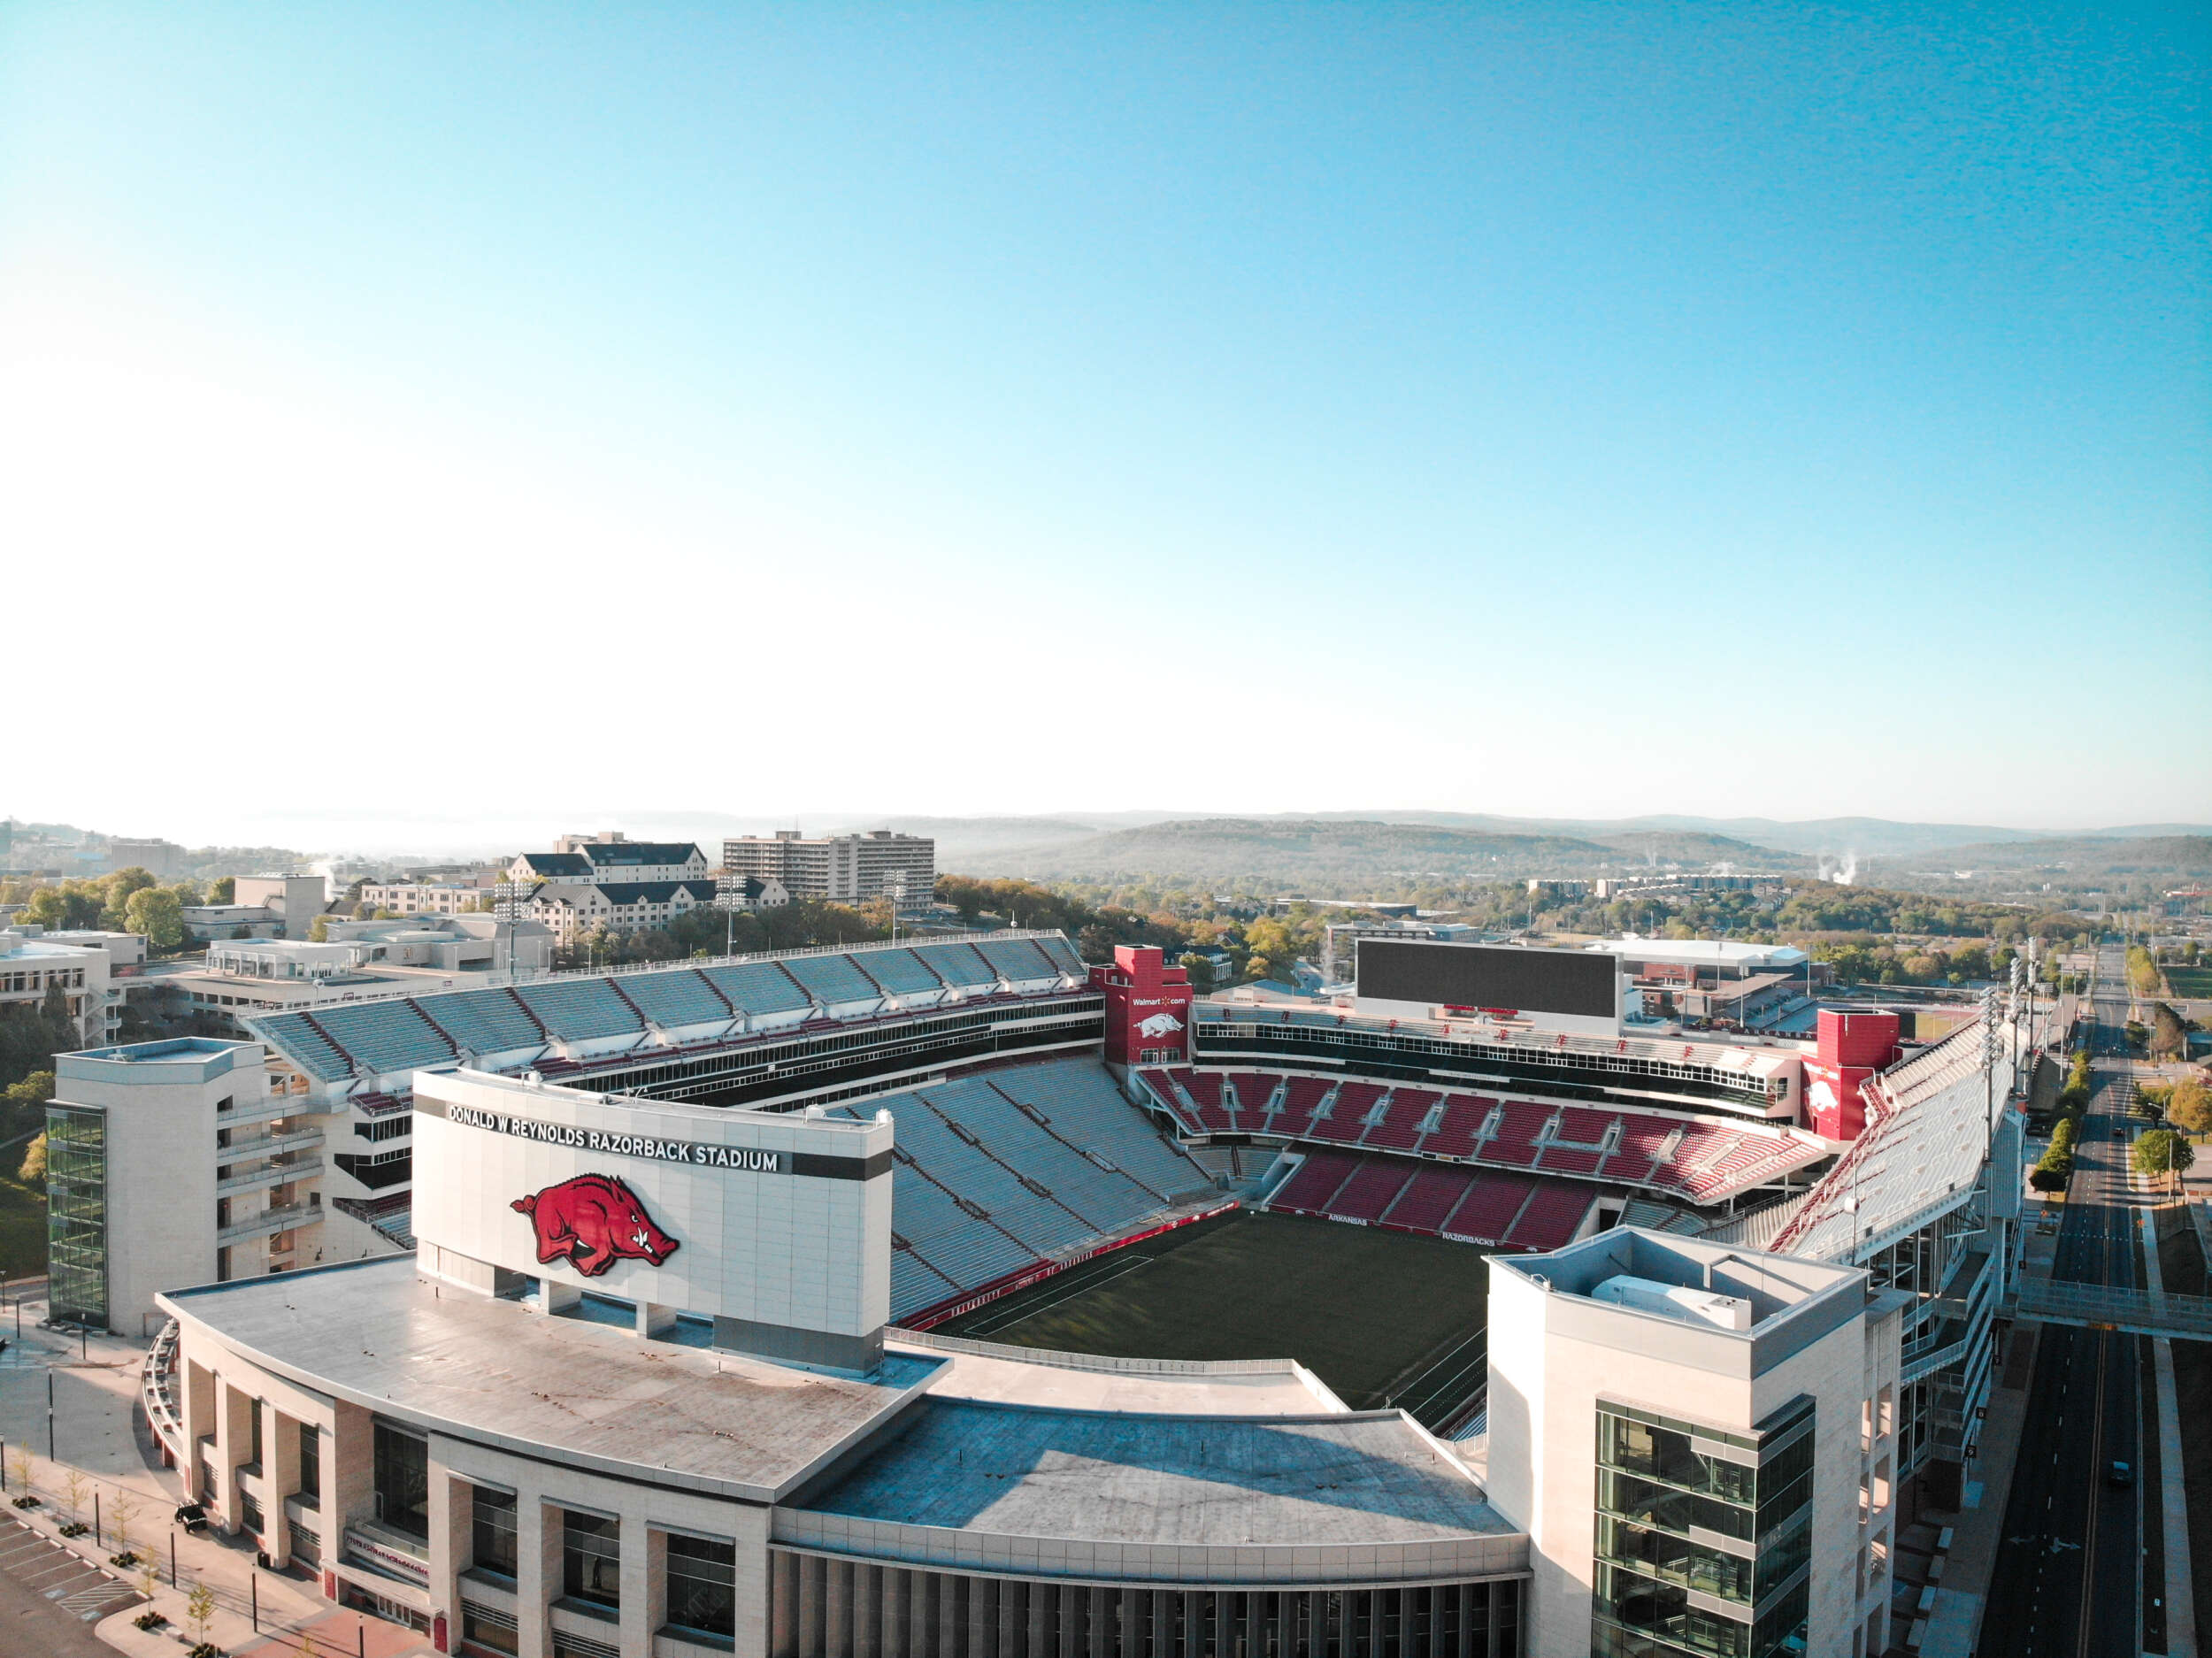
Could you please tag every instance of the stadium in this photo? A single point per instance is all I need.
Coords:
(1170, 1236)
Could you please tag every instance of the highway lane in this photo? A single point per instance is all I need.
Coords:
(2067, 1576)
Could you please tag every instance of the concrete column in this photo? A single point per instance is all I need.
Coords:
(554, 1297)
(348, 1473)
(200, 1388)
(450, 1539)
(837, 1605)
(636, 1618)
(281, 1463)
(652, 1319)
(537, 1572)
(234, 1445)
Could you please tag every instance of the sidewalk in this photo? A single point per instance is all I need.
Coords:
(1978, 1530)
(2181, 1606)
(99, 1434)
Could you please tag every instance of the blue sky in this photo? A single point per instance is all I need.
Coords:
(1567, 410)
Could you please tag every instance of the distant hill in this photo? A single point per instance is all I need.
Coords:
(2082, 855)
(1339, 857)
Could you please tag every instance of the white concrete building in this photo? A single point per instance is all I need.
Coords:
(1700, 1442)
(840, 869)
(33, 966)
(173, 1163)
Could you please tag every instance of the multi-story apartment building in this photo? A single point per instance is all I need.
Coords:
(841, 869)
(610, 856)
(427, 898)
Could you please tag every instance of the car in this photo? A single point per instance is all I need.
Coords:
(2119, 1474)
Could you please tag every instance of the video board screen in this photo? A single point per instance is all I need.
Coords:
(1584, 984)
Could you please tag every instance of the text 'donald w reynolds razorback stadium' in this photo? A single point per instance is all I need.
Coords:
(963, 1299)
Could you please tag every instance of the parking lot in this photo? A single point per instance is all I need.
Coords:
(49, 1598)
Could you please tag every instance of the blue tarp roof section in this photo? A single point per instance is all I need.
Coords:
(898, 970)
(579, 1010)
(482, 1021)
(956, 963)
(385, 1036)
(758, 988)
(832, 980)
(1016, 958)
(297, 1041)
(677, 997)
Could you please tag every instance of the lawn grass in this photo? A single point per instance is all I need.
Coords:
(1383, 1317)
(22, 1229)
(2194, 983)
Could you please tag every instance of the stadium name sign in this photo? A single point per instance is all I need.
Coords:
(694, 1153)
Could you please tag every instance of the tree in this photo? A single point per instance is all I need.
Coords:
(199, 1611)
(2169, 1034)
(2190, 1108)
(74, 1489)
(26, 1102)
(2161, 1152)
(318, 929)
(157, 912)
(33, 1173)
(223, 890)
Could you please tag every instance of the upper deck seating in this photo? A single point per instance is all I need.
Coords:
(385, 1036)
(957, 964)
(1454, 1135)
(1400, 1129)
(579, 1009)
(832, 980)
(1017, 959)
(483, 1021)
(1348, 1118)
(1514, 1141)
(306, 1046)
(1253, 1091)
(757, 988)
(1301, 1095)
(675, 998)
(899, 972)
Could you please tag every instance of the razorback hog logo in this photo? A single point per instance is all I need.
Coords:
(592, 1222)
(1159, 1025)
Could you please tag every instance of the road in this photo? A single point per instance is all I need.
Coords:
(2068, 1577)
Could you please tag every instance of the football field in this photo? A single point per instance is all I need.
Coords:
(1383, 1317)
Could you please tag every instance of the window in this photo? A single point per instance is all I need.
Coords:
(76, 1195)
(253, 1432)
(310, 1463)
(591, 1558)
(488, 1628)
(1690, 1516)
(492, 1531)
(703, 1585)
(403, 1481)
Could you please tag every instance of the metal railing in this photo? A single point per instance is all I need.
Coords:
(2099, 1307)
(269, 1174)
(269, 1220)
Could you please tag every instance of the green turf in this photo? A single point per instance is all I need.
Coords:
(2193, 982)
(1383, 1317)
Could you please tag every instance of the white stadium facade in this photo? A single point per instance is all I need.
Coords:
(637, 1357)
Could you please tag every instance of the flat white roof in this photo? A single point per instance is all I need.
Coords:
(1714, 952)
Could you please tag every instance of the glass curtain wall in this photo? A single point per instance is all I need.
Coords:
(1704, 1536)
(77, 1214)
